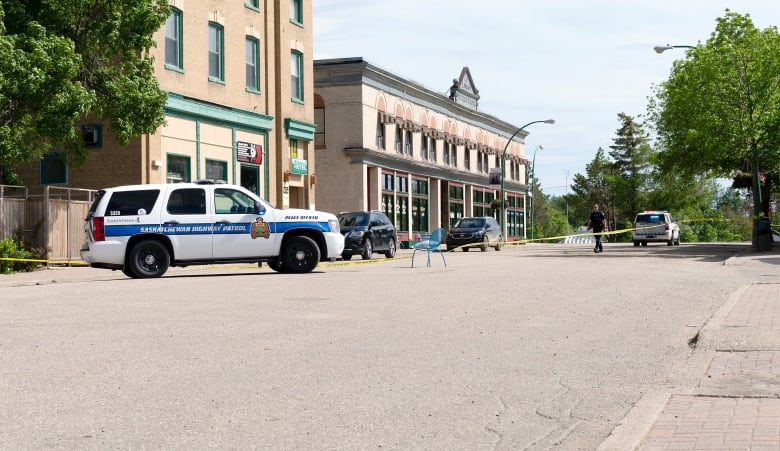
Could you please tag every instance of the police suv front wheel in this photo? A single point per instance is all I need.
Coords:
(149, 258)
(300, 254)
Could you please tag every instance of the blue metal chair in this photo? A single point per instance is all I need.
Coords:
(432, 244)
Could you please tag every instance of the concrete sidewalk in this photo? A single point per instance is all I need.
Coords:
(736, 403)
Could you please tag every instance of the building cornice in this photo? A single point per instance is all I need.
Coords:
(391, 161)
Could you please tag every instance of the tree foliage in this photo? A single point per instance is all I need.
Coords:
(630, 154)
(548, 221)
(64, 60)
(719, 110)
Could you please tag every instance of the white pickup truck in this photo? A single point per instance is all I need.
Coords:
(144, 229)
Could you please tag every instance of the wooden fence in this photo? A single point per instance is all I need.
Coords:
(53, 221)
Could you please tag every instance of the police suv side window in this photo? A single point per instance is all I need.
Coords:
(230, 201)
(187, 201)
(132, 203)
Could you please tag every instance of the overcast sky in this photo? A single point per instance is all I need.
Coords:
(580, 62)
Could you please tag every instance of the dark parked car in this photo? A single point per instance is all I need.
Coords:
(467, 232)
(366, 232)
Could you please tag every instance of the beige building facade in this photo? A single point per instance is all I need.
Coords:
(240, 106)
(426, 159)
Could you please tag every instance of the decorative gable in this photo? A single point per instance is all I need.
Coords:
(466, 93)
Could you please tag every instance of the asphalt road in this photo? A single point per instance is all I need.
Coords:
(541, 346)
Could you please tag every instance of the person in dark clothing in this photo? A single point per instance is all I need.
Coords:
(454, 88)
(598, 222)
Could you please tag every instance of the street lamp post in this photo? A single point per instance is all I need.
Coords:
(533, 193)
(503, 171)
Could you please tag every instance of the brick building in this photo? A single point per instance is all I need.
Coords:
(240, 106)
(425, 158)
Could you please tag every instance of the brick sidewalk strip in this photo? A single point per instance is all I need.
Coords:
(750, 374)
(759, 306)
(707, 423)
(735, 363)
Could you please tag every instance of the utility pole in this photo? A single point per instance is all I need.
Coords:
(566, 197)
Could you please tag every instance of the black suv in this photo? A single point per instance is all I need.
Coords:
(482, 232)
(365, 232)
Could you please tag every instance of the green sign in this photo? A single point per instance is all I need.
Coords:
(300, 166)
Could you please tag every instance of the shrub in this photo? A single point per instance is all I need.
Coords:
(14, 249)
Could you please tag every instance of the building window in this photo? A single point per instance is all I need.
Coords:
(403, 183)
(454, 157)
(446, 153)
(296, 75)
(485, 162)
(54, 169)
(402, 203)
(433, 150)
(456, 203)
(216, 170)
(173, 41)
(254, 4)
(177, 168)
(216, 52)
(424, 147)
(293, 148)
(92, 135)
(388, 207)
(319, 131)
(399, 140)
(296, 12)
(388, 182)
(409, 148)
(252, 64)
(481, 202)
(380, 134)
(467, 158)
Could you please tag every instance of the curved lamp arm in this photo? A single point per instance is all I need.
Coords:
(503, 169)
(663, 48)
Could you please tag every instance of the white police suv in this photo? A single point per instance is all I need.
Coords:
(649, 226)
(144, 229)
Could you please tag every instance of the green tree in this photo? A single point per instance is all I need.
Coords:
(64, 60)
(719, 110)
(630, 158)
(594, 187)
(549, 221)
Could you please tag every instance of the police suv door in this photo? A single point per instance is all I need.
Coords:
(239, 231)
(187, 224)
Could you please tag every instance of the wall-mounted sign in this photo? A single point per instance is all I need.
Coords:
(494, 177)
(249, 153)
(299, 166)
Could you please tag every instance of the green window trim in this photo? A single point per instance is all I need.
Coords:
(296, 76)
(174, 41)
(252, 65)
(296, 129)
(216, 52)
(180, 106)
(252, 4)
(54, 169)
(296, 12)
